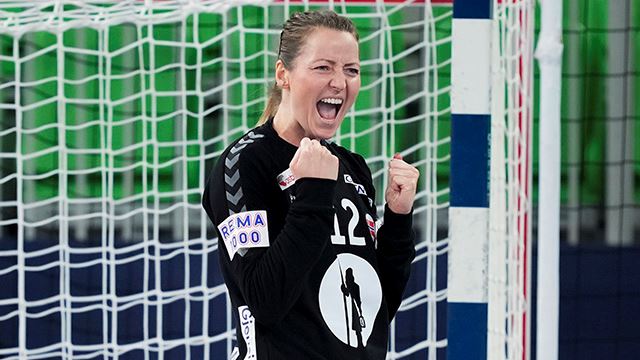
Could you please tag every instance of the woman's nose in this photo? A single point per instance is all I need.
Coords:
(338, 81)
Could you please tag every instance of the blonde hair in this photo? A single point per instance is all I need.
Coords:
(292, 38)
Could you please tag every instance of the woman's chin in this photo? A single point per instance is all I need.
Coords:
(327, 128)
(326, 132)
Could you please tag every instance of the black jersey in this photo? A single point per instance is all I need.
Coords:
(309, 274)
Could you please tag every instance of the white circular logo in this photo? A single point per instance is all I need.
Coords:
(350, 298)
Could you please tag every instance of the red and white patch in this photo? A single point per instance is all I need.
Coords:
(286, 179)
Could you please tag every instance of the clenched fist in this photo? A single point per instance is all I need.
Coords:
(401, 190)
(312, 160)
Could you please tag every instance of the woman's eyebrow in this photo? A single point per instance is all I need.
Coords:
(332, 62)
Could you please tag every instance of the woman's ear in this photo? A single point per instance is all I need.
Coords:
(282, 75)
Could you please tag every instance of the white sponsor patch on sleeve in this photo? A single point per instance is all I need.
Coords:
(245, 230)
(286, 179)
(248, 330)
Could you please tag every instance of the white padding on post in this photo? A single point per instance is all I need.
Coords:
(468, 254)
(471, 67)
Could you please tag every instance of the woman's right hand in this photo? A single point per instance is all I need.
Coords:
(312, 160)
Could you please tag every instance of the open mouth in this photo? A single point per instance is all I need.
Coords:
(328, 108)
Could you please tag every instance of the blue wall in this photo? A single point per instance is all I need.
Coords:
(600, 303)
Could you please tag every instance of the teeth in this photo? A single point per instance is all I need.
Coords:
(334, 101)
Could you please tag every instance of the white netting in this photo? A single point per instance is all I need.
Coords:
(112, 115)
(511, 175)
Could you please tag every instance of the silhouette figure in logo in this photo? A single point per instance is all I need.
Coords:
(351, 289)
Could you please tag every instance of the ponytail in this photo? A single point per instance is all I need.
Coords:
(275, 96)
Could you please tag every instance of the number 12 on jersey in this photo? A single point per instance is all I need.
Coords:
(339, 239)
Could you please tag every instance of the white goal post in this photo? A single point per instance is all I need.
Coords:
(113, 112)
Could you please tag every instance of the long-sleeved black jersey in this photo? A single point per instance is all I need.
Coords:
(308, 275)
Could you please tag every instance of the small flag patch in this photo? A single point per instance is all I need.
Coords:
(371, 224)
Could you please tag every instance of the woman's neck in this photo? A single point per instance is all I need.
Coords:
(287, 127)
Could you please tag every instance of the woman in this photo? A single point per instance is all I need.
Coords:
(294, 212)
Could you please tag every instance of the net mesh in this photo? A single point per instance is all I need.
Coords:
(509, 278)
(114, 112)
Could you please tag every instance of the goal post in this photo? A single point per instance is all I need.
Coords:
(490, 249)
(112, 114)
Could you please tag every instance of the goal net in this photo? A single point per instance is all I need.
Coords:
(113, 112)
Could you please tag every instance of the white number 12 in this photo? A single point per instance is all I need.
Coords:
(339, 239)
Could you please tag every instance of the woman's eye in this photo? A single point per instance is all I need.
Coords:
(322, 67)
(353, 71)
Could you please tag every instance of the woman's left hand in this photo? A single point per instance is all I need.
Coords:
(401, 190)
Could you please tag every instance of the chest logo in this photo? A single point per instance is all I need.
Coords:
(359, 187)
(350, 298)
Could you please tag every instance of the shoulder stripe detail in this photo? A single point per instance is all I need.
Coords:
(232, 173)
(235, 198)
(254, 136)
(231, 161)
(232, 180)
